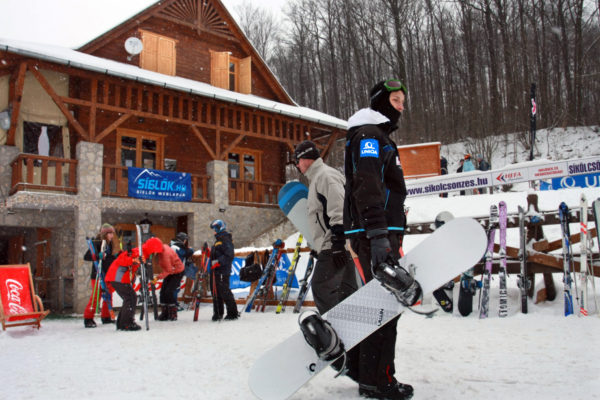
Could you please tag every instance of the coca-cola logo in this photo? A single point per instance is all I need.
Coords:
(14, 289)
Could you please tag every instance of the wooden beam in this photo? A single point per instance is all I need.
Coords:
(56, 98)
(15, 97)
(203, 141)
(93, 108)
(111, 127)
(332, 138)
(574, 238)
(233, 144)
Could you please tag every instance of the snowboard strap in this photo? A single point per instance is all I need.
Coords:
(321, 336)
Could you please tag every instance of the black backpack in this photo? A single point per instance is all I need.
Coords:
(251, 271)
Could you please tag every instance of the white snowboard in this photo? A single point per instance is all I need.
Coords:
(446, 253)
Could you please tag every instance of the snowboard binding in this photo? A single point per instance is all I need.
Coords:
(399, 282)
(470, 285)
(321, 336)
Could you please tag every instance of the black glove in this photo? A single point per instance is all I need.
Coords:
(380, 250)
(338, 251)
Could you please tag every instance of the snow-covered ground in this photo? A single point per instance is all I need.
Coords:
(542, 355)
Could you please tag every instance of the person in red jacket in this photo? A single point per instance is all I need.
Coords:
(121, 276)
(172, 271)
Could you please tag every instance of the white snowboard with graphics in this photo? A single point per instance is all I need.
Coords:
(446, 253)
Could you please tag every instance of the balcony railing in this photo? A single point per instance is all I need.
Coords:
(115, 183)
(253, 193)
(35, 172)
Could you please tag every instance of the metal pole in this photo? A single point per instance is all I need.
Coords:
(532, 120)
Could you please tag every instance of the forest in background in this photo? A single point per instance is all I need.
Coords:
(468, 64)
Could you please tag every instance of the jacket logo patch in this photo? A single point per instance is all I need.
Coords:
(369, 148)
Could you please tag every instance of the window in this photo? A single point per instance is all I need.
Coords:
(139, 149)
(42, 139)
(231, 73)
(159, 53)
(244, 164)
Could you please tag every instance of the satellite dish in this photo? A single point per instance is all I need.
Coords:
(133, 46)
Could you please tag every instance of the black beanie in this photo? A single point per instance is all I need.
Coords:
(306, 149)
(380, 102)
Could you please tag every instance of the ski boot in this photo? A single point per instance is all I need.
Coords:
(321, 336)
(398, 281)
(89, 323)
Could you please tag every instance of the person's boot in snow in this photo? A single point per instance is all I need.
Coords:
(232, 316)
(173, 312)
(164, 313)
(132, 327)
(391, 391)
(89, 323)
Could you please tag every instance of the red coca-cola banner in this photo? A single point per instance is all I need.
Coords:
(15, 290)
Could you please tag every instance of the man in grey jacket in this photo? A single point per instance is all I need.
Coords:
(335, 276)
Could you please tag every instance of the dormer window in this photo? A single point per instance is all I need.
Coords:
(231, 73)
(159, 54)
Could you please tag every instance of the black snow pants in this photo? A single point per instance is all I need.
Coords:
(374, 356)
(127, 314)
(222, 294)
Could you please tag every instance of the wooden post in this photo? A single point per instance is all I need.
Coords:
(535, 232)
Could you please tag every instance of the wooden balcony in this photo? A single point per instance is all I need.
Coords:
(115, 183)
(253, 193)
(42, 173)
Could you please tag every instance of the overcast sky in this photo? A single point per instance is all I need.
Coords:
(42, 20)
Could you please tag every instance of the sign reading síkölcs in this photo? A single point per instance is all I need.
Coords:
(151, 184)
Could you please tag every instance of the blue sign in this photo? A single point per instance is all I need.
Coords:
(151, 184)
(280, 274)
(583, 181)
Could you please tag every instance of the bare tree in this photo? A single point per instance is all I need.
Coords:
(261, 27)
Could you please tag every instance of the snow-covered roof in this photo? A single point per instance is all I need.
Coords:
(76, 59)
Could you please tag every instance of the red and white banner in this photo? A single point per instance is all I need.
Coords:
(522, 172)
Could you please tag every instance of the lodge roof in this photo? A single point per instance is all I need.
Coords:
(65, 56)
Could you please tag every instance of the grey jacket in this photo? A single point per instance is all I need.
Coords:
(325, 202)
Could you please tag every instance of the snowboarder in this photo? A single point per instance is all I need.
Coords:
(374, 218)
(106, 257)
(172, 272)
(221, 256)
(334, 276)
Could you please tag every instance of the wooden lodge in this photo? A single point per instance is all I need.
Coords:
(197, 100)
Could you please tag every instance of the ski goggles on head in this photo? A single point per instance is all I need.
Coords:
(394, 85)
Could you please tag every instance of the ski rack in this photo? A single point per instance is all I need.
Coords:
(539, 259)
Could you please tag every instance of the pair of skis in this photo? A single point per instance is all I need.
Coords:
(262, 287)
(497, 222)
(144, 279)
(199, 282)
(489, 258)
(586, 273)
(285, 291)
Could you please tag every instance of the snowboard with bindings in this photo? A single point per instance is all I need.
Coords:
(443, 295)
(285, 368)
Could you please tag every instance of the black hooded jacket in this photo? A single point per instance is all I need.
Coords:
(222, 253)
(375, 187)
